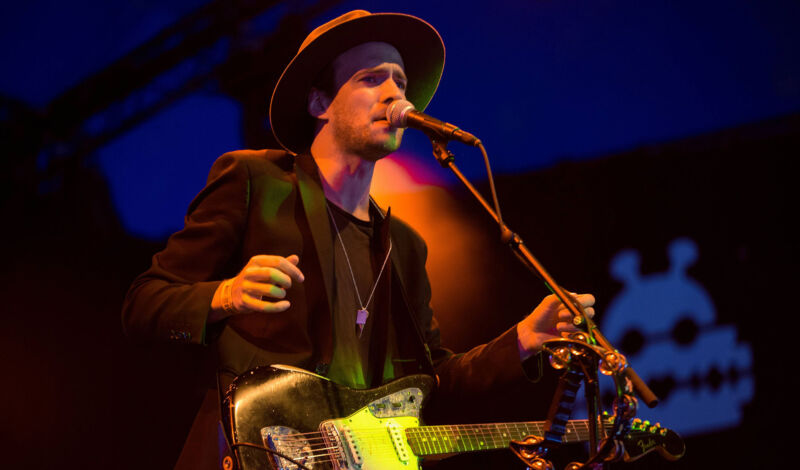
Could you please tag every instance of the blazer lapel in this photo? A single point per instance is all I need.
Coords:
(407, 328)
(313, 198)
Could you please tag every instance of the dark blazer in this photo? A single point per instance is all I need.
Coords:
(269, 202)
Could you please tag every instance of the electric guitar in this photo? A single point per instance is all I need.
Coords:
(279, 411)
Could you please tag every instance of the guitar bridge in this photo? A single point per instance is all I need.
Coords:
(333, 443)
(290, 443)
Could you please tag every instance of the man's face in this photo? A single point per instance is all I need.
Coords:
(368, 78)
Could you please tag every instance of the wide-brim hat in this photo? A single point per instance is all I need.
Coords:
(419, 45)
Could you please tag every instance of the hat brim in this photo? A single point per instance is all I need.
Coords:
(419, 45)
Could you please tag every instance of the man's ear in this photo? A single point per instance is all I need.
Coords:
(318, 102)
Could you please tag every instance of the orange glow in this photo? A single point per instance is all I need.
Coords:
(453, 241)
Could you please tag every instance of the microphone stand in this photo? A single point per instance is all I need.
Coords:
(447, 160)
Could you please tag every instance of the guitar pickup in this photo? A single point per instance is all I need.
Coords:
(396, 433)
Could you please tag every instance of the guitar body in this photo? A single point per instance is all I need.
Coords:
(286, 401)
(279, 411)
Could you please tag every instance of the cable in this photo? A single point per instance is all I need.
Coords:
(270, 451)
(491, 184)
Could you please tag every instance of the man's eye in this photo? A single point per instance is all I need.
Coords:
(401, 84)
(372, 79)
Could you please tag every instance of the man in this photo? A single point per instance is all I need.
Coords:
(285, 259)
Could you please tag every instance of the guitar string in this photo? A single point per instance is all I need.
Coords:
(422, 434)
(484, 428)
(491, 431)
(388, 450)
(326, 456)
(385, 450)
(464, 433)
(432, 445)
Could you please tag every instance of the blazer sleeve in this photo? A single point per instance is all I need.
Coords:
(172, 300)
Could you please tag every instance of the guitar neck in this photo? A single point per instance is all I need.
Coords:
(432, 440)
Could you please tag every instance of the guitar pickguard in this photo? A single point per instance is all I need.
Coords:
(371, 438)
(406, 402)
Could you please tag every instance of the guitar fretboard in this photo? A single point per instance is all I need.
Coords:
(431, 440)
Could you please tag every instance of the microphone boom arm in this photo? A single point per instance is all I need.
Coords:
(447, 160)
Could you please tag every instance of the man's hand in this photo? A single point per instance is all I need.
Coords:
(547, 321)
(264, 277)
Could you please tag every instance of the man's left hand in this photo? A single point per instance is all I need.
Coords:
(549, 320)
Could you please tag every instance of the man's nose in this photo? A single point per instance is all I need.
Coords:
(392, 91)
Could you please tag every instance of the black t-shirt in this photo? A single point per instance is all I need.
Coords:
(351, 361)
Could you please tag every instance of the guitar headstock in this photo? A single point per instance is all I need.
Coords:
(643, 437)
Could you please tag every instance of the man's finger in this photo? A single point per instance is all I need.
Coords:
(258, 305)
(291, 269)
(566, 326)
(258, 289)
(279, 262)
(585, 300)
(268, 275)
(566, 315)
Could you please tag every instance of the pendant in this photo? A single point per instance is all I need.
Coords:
(361, 319)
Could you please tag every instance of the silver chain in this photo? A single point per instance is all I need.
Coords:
(350, 267)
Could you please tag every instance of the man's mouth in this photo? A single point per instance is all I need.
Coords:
(382, 121)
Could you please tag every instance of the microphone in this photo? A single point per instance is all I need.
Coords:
(402, 113)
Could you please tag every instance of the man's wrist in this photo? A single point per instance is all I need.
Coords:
(227, 297)
(222, 302)
(524, 351)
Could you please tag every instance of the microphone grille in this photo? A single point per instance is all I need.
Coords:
(397, 113)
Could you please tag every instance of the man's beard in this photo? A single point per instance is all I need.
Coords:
(361, 141)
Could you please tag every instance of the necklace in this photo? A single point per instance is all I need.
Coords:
(362, 314)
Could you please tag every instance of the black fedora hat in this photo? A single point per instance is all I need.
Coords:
(419, 45)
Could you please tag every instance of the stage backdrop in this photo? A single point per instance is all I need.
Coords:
(646, 153)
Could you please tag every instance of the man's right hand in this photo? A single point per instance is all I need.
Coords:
(263, 278)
